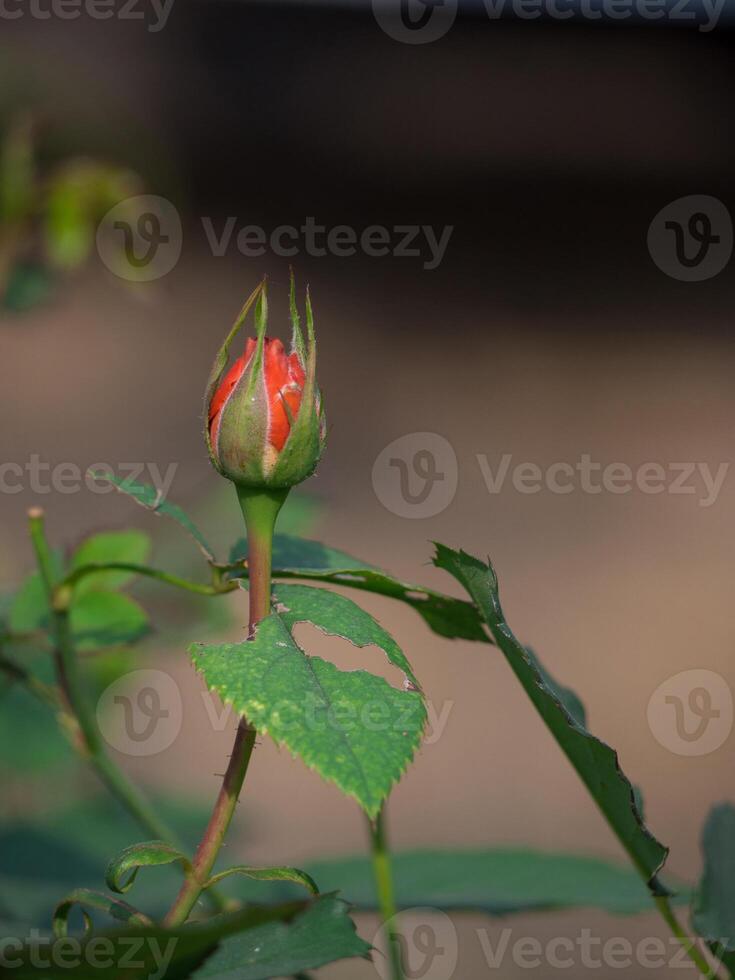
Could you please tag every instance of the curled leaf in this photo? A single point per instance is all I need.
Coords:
(123, 870)
(86, 899)
(268, 874)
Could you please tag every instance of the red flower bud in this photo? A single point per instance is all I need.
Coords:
(265, 425)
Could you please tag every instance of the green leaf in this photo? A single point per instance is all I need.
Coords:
(123, 869)
(105, 619)
(713, 914)
(325, 716)
(337, 615)
(595, 762)
(30, 610)
(278, 941)
(109, 546)
(268, 874)
(150, 498)
(30, 739)
(498, 881)
(323, 934)
(86, 899)
(298, 558)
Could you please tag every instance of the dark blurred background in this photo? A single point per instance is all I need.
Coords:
(546, 331)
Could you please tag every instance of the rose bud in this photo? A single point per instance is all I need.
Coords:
(265, 423)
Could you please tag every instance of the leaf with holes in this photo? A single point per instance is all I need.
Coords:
(298, 558)
(595, 762)
(337, 615)
(352, 727)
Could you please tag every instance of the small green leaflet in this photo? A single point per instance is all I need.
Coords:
(353, 728)
(150, 498)
(713, 914)
(338, 616)
(123, 869)
(132, 547)
(595, 762)
(298, 558)
(105, 619)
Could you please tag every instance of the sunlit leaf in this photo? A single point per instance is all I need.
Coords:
(352, 727)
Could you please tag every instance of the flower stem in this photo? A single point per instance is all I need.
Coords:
(67, 671)
(383, 874)
(260, 510)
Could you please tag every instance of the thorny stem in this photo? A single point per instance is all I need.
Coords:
(67, 672)
(260, 510)
(383, 875)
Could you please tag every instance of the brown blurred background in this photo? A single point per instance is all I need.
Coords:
(546, 332)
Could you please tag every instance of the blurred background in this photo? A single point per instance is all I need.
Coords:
(550, 325)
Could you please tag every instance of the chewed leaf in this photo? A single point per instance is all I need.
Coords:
(150, 498)
(338, 616)
(298, 558)
(123, 870)
(110, 546)
(713, 915)
(352, 727)
(595, 762)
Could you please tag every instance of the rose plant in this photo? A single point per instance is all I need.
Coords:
(265, 431)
